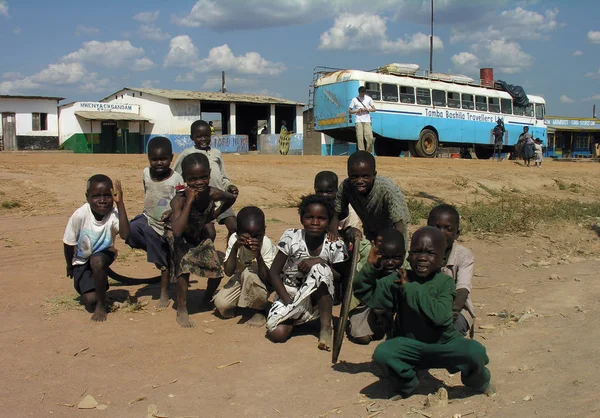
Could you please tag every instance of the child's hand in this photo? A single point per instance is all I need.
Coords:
(254, 245)
(402, 277)
(242, 240)
(305, 265)
(374, 257)
(190, 194)
(333, 236)
(70, 271)
(166, 215)
(117, 192)
(354, 234)
(233, 190)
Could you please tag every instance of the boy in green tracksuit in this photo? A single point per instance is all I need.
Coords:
(424, 333)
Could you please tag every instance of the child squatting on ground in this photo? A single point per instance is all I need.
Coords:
(200, 135)
(148, 229)
(249, 256)
(89, 241)
(378, 202)
(303, 273)
(192, 250)
(424, 333)
(458, 263)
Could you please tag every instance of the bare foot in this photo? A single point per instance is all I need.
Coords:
(326, 339)
(163, 302)
(257, 320)
(184, 320)
(99, 313)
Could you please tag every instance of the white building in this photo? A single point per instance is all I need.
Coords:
(29, 122)
(126, 120)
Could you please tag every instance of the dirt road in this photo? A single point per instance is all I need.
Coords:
(540, 324)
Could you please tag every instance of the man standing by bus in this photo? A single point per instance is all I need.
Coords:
(498, 133)
(362, 106)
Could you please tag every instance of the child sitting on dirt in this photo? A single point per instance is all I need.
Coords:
(378, 202)
(192, 250)
(89, 241)
(303, 273)
(458, 263)
(366, 324)
(200, 134)
(248, 259)
(147, 230)
(424, 333)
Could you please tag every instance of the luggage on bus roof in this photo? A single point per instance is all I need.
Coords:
(518, 94)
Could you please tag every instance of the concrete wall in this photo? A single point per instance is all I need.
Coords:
(224, 143)
(26, 138)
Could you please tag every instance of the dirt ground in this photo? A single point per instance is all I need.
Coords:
(540, 324)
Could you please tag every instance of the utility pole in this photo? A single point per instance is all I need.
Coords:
(223, 89)
(431, 42)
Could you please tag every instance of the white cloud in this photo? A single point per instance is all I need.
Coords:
(111, 54)
(81, 30)
(93, 84)
(594, 36)
(577, 53)
(368, 32)
(221, 58)
(142, 64)
(214, 83)
(153, 33)
(55, 74)
(466, 61)
(516, 24)
(186, 78)
(506, 56)
(592, 98)
(146, 17)
(4, 8)
(148, 84)
(595, 74)
(182, 52)
(566, 99)
(12, 75)
(254, 14)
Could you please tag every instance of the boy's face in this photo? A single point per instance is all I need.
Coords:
(392, 257)
(201, 137)
(254, 229)
(197, 177)
(426, 254)
(100, 198)
(362, 176)
(315, 220)
(160, 160)
(326, 189)
(446, 223)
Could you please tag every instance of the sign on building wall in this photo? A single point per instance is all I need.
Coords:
(573, 122)
(106, 107)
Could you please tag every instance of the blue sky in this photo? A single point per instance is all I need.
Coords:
(88, 50)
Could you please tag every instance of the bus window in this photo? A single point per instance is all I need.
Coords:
(529, 110)
(423, 96)
(540, 111)
(481, 103)
(373, 90)
(506, 106)
(407, 94)
(519, 110)
(439, 97)
(494, 104)
(454, 100)
(467, 101)
(389, 92)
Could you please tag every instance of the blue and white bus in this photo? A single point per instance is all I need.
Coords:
(420, 113)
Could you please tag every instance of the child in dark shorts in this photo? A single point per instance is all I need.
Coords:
(147, 230)
(89, 241)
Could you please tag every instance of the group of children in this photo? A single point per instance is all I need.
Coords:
(421, 303)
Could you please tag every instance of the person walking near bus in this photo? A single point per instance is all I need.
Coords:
(498, 133)
(362, 106)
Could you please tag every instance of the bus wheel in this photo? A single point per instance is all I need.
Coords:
(427, 145)
(483, 152)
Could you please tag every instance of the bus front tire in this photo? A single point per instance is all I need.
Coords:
(427, 145)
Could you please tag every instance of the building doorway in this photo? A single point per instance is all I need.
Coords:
(108, 138)
(9, 129)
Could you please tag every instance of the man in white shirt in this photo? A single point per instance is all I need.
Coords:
(362, 106)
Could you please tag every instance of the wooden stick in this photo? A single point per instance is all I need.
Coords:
(230, 364)
(11, 329)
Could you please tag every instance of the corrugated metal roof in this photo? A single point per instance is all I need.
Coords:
(212, 97)
(111, 116)
(3, 96)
